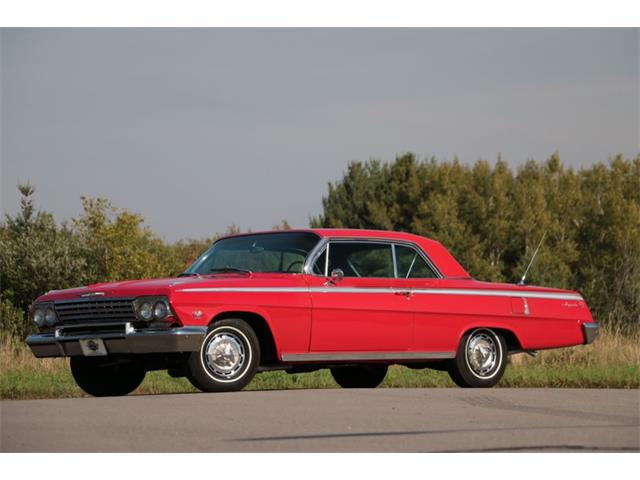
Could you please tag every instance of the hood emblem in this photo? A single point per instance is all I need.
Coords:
(93, 294)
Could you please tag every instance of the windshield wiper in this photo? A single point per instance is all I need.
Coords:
(188, 274)
(230, 269)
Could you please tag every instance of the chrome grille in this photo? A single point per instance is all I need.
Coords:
(95, 310)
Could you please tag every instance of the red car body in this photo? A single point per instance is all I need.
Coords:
(308, 318)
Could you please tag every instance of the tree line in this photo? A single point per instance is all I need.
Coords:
(490, 217)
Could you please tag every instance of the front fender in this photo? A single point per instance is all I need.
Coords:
(290, 324)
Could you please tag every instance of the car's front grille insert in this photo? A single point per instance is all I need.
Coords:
(95, 310)
(86, 330)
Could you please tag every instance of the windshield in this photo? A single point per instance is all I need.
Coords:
(281, 252)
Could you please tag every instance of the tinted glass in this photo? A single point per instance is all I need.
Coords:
(411, 265)
(268, 253)
(361, 259)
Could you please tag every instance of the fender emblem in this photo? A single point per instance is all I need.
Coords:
(197, 314)
(526, 306)
(568, 304)
(93, 294)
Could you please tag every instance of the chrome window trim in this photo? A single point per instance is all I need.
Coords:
(326, 260)
(395, 261)
(427, 260)
(317, 251)
(313, 256)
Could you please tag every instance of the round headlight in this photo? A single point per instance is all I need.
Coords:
(146, 310)
(50, 317)
(160, 310)
(38, 317)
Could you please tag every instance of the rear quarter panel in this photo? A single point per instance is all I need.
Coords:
(442, 319)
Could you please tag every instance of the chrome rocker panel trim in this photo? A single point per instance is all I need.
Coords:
(183, 339)
(590, 331)
(373, 356)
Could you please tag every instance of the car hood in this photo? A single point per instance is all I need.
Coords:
(165, 286)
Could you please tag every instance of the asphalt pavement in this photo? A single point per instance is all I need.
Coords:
(333, 420)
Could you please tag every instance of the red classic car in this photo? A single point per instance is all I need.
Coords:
(354, 301)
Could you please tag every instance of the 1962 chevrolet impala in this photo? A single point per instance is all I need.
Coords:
(354, 301)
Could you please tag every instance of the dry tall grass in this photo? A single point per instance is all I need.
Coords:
(16, 356)
(612, 361)
(613, 347)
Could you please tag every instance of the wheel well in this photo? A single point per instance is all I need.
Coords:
(268, 352)
(513, 344)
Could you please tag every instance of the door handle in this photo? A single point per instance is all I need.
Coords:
(404, 293)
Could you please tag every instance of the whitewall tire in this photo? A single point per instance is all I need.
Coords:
(228, 357)
(481, 359)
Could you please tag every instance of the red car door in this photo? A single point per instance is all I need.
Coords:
(363, 311)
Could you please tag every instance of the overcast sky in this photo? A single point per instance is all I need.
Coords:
(200, 129)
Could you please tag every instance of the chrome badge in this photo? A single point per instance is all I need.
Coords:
(93, 294)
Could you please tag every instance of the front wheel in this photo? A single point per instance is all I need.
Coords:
(103, 377)
(228, 357)
(359, 376)
(480, 361)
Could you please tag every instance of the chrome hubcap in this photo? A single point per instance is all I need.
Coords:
(482, 354)
(225, 355)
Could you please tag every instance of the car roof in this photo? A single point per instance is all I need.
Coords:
(439, 255)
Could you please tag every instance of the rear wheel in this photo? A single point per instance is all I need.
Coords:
(359, 376)
(228, 358)
(480, 361)
(102, 377)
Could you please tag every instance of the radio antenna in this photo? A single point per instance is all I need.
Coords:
(524, 277)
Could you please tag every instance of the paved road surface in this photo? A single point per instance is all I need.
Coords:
(389, 420)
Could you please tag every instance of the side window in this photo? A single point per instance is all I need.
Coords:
(319, 264)
(410, 264)
(361, 259)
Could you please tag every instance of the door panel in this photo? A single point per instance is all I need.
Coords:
(359, 314)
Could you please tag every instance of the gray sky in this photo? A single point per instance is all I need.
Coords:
(199, 129)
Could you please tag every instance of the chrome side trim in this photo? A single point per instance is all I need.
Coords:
(347, 357)
(498, 293)
(249, 289)
(419, 291)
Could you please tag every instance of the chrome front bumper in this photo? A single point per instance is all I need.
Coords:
(590, 331)
(183, 339)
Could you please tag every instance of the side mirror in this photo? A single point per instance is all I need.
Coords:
(336, 275)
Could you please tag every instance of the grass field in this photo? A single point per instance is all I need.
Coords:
(613, 361)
